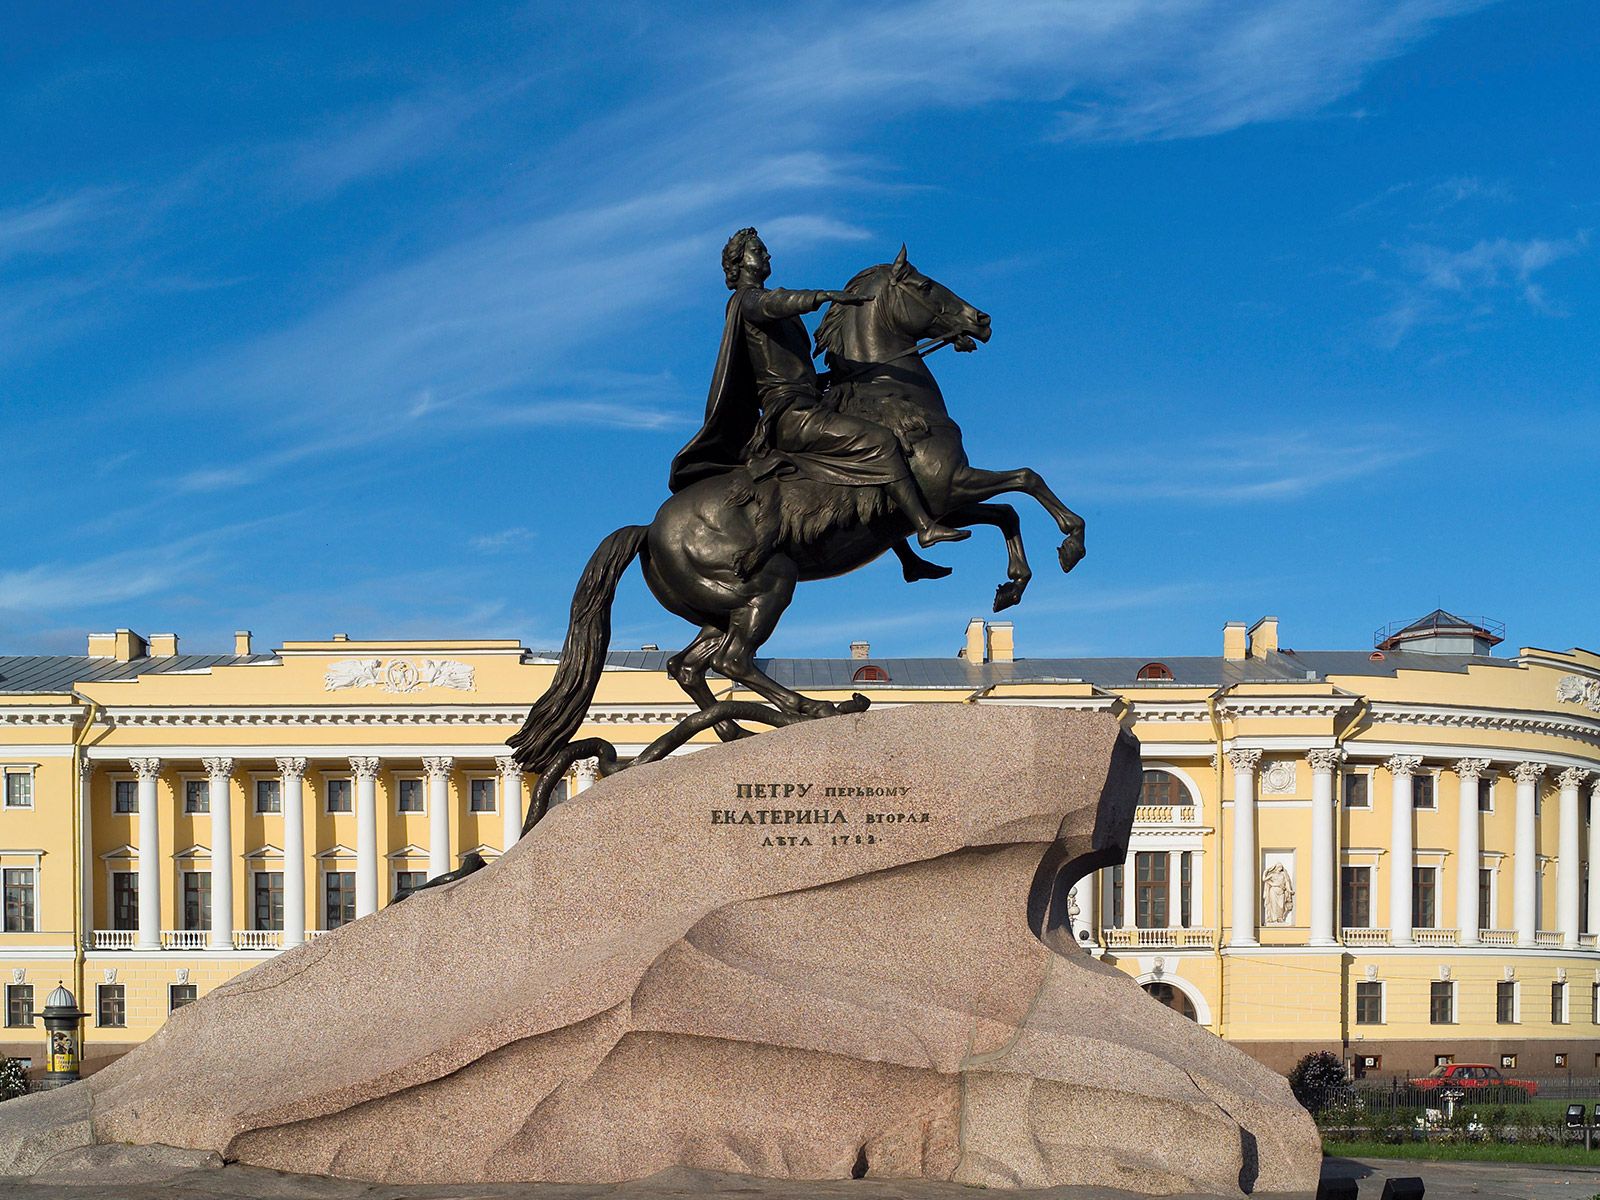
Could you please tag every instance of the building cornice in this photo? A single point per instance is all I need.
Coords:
(1446, 716)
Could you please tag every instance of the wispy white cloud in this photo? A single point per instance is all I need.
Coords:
(504, 539)
(1246, 469)
(53, 224)
(1442, 285)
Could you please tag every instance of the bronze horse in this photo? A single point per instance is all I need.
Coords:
(725, 553)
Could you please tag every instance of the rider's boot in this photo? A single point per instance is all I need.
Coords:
(913, 567)
(908, 499)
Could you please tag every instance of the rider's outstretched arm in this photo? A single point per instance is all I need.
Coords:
(772, 304)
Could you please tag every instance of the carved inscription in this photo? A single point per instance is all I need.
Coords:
(811, 814)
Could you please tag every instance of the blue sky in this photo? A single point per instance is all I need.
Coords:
(375, 319)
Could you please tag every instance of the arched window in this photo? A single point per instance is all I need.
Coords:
(870, 674)
(1163, 787)
(1154, 670)
(1165, 993)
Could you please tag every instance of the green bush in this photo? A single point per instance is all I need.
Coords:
(13, 1079)
(1318, 1081)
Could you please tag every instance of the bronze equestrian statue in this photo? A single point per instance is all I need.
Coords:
(792, 478)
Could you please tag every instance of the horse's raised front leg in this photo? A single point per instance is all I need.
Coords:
(1004, 518)
(970, 485)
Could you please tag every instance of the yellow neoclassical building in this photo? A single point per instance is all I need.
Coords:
(1384, 852)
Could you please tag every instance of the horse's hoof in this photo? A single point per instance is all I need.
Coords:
(1008, 594)
(1071, 552)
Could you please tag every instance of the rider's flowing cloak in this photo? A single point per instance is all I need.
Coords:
(731, 411)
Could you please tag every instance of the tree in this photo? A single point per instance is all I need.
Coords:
(13, 1079)
(1318, 1080)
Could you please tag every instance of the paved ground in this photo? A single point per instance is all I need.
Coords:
(130, 1178)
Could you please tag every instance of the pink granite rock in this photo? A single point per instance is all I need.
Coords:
(654, 978)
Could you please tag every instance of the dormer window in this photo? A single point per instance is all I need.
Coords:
(870, 674)
(1154, 671)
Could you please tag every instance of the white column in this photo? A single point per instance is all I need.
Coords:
(1174, 889)
(1087, 893)
(1569, 856)
(1594, 858)
(293, 773)
(1324, 763)
(438, 772)
(1469, 849)
(587, 771)
(1197, 889)
(1525, 853)
(1244, 901)
(1128, 921)
(149, 936)
(1402, 846)
(510, 801)
(87, 861)
(218, 773)
(366, 773)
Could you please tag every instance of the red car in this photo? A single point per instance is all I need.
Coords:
(1468, 1076)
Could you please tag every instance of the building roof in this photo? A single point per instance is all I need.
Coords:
(60, 672)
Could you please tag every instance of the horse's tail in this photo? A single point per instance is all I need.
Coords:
(557, 715)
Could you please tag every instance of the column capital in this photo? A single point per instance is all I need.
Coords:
(1404, 766)
(219, 769)
(292, 768)
(437, 768)
(1573, 777)
(86, 768)
(1244, 759)
(366, 768)
(1472, 768)
(587, 771)
(509, 767)
(145, 768)
(1529, 772)
(1326, 760)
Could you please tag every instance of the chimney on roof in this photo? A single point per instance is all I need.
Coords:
(126, 645)
(1262, 638)
(860, 649)
(163, 645)
(1235, 641)
(1002, 642)
(977, 648)
(341, 637)
(241, 643)
(102, 645)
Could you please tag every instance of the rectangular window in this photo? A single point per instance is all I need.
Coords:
(1486, 795)
(1505, 1002)
(1355, 897)
(338, 795)
(406, 882)
(1485, 898)
(196, 795)
(1150, 889)
(1441, 1004)
(124, 900)
(1443, 1060)
(1356, 794)
(19, 900)
(1424, 897)
(1116, 898)
(197, 900)
(481, 796)
(1422, 790)
(19, 1004)
(110, 1006)
(19, 789)
(268, 908)
(1558, 1003)
(1369, 1003)
(338, 898)
(269, 796)
(1594, 1004)
(179, 994)
(409, 796)
(1186, 888)
(124, 796)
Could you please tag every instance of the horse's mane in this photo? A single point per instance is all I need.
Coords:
(830, 332)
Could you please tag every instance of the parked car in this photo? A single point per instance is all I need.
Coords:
(1467, 1077)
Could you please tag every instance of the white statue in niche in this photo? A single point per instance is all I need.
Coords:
(1277, 895)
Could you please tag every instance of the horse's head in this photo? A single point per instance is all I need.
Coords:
(907, 305)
